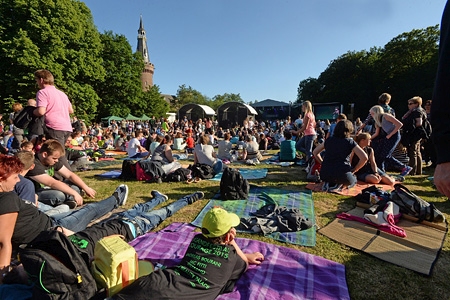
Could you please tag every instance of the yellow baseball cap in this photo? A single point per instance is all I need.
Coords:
(218, 221)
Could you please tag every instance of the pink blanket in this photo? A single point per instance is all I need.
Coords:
(285, 274)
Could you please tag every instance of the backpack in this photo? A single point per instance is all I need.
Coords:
(371, 192)
(426, 129)
(150, 171)
(313, 170)
(115, 264)
(179, 175)
(202, 171)
(56, 268)
(233, 186)
(413, 205)
(24, 117)
(128, 170)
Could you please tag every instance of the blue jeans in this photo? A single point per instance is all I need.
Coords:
(305, 145)
(55, 197)
(383, 150)
(50, 210)
(79, 219)
(145, 219)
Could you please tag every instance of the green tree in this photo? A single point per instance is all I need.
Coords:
(155, 103)
(58, 35)
(219, 100)
(186, 95)
(408, 65)
(121, 91)
(309, 88)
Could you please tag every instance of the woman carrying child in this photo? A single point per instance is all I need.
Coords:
(336, 170)
(369, 173)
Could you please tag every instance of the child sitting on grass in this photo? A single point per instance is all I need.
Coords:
(369, 173)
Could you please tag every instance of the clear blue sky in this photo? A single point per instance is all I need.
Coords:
(260, 49)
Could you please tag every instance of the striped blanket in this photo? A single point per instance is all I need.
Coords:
(285, 273)
(260, 196)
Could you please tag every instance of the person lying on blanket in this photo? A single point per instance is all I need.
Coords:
(212, 264)
(21, 222)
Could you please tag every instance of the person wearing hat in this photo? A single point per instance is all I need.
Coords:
(212, 264)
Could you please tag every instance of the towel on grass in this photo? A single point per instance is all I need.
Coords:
(284, 274)
(260, 196)
(248, 174)
(354, 191)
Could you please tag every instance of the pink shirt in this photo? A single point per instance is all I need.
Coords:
(58, 105)
(310, 129)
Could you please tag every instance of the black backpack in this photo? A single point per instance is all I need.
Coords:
(24, 117)
(202, 171)
(413, 205)
(56, 268)
(128, 170)
(233, 186)
(178, 175)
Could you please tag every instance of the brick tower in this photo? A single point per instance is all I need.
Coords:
(149, 68)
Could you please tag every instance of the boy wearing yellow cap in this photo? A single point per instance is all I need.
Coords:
(212, 264)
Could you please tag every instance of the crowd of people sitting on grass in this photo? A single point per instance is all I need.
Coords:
(34, 172)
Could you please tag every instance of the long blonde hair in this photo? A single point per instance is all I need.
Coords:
(307, 106)
(378, 113)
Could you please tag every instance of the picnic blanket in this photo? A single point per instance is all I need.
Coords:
(248, 174)
(284, 274)
(418, 251)
(260, 196)
(110, 174)
(104, 163)
(354, 191)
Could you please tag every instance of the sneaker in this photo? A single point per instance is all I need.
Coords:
(121, 194)
(325, 186)
(71, 203)
(156, 193)
(405, 171)
(195, 196)
(335, 188)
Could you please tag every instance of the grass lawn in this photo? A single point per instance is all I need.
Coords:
(367, 277)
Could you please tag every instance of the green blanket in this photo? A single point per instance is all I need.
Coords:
(260, 196)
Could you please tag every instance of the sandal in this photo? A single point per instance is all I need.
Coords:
(197, 179)
(190, 180)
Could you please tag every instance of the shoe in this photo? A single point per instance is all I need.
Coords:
(195, 196)
(335, 188)
(156, 193)
(325, 187)
(71, 203)
(121, 194)
(405, 171)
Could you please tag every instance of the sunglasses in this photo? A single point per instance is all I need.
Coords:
(410, 103)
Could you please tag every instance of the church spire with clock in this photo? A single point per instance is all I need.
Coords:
(149, 68)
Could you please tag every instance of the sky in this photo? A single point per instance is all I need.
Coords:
(260, 49)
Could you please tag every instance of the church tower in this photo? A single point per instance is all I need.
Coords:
(149, 68)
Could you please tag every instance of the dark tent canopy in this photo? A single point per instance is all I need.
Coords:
(232, 113)
(195, 111)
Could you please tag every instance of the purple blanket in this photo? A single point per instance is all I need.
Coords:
(285, 273)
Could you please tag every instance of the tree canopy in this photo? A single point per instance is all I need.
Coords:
(404, 67)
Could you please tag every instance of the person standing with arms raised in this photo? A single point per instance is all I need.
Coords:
(55, 105)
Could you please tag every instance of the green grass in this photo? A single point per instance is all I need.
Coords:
(367, 277)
